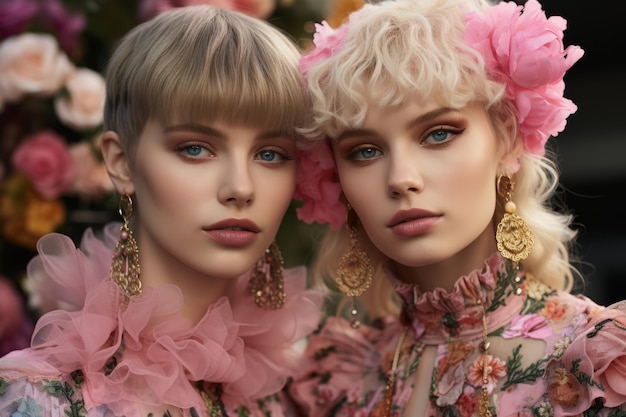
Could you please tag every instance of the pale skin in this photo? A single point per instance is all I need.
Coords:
(432, 172)
(186, 181)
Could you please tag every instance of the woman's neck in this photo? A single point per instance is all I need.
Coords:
(445, 273)
(199, 291)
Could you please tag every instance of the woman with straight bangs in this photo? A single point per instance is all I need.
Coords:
(427, 160)
(184, 308)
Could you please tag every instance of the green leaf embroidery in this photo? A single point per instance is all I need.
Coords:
(517, 375)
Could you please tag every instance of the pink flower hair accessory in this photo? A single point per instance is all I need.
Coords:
(318, 187)
(523, 49)
(317, 184)
(327, 40)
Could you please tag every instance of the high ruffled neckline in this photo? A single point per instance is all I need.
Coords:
(149, 344)
(445, 316)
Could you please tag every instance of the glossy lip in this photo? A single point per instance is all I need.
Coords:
(412, 222)
(233, 232)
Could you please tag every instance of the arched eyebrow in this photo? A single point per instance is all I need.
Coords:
(423, 118)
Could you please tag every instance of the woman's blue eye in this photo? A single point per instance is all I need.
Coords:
(193, 150)
(366, 153)
(268, 156)
(438, 136)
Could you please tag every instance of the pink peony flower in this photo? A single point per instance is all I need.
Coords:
(83, 105)
(525, 52)
(327, 40)
(31, 64)
(45, 160)
(318, 187)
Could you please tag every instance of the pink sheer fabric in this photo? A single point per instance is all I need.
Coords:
(149, 353)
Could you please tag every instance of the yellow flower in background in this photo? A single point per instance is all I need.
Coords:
(340, 11)
(24, 215)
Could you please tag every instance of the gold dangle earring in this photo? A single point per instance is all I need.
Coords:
(514, 238)
(355, 270)
(266, 283)
(125, 269)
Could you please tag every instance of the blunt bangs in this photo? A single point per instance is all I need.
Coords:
(222, 66)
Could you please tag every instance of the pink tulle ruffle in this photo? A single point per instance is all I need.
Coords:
(147, 353)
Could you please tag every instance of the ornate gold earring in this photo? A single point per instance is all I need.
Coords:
(514, 238)
(125, 269)
(266, 283)
(355, 270)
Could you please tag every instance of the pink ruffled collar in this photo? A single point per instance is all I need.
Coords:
(440, 316)
(148, 355)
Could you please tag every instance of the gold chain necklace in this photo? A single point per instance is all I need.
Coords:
(485, 402)
(383, 409)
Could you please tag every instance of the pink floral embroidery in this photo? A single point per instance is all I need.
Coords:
(533, 326)
(326, 393)
(450, 386)
(496, 369)
(554, 311)
(564, 388)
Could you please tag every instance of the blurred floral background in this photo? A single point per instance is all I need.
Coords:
(52, 56)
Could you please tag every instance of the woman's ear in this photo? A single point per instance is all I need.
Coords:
(116, 162)
(510, 160)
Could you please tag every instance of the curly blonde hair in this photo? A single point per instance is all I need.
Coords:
(396, 49)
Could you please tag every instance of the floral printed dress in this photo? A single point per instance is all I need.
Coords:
(94, 358)
(551, 353)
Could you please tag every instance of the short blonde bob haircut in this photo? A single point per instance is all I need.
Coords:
(397, 49)
(200, 63)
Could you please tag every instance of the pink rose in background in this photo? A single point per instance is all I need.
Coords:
(45, 160)
(327, 40)
(91, 178)
(524, 50)
(31, 64)
(15, 328)
(15, 16)
(318, 187)
(83, 105)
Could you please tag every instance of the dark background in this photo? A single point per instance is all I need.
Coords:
(592, 149)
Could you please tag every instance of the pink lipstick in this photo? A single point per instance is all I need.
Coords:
(233, 232)
(412, 222)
